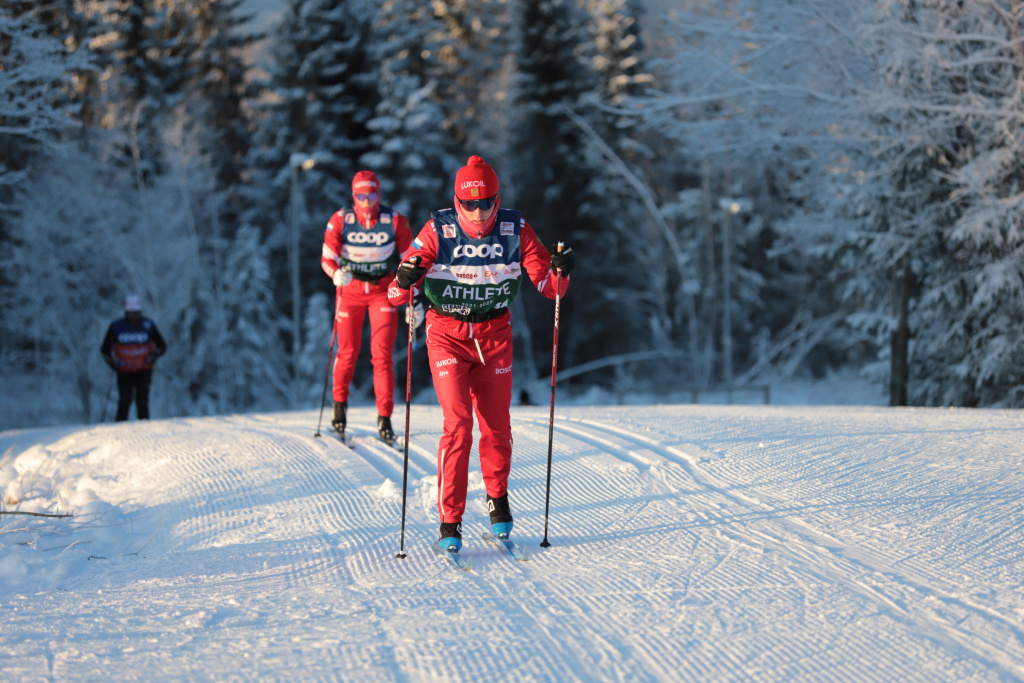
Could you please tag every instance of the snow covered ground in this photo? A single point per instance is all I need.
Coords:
(696, 543)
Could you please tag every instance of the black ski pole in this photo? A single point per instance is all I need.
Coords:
(408, 398)
(106, 401)
(551, 419)
(327, 373)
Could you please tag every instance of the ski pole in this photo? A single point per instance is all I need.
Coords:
(551, 419)
(106, 401)
(327, 373)
(408, 398)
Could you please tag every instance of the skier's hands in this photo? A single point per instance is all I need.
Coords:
(562, 261)
(410, 272)
(415, 314)
(342, 276)
(150, 359)
(114, 363)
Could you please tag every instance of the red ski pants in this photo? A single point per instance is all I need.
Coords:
(471, 375)
(352, 305)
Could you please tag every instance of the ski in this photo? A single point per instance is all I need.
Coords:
(455, 559)
(507, 546)
(345, 439)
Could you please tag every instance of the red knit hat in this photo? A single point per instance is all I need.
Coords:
(476, 180)
(364, 182)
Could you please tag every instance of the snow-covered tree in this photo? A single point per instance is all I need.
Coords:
(320, 94)
(948, 218)
(411, 147)
(468, 61)
(757, 102)
(256, 364)
(36, 71)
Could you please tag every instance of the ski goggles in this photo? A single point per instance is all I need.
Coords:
(474, 204)
(367, 197)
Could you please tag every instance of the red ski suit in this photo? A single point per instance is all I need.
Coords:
(471, 364)
(364, 242)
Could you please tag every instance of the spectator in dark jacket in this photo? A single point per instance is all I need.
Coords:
(131, 347)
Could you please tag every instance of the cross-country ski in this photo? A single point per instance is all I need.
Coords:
(456, 559)
(506, 546)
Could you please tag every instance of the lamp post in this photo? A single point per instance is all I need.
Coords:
(297, 162)
(730, 207)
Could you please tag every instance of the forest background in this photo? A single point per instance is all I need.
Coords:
(753, 190)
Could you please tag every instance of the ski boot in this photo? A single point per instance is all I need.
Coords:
(501, 516)
(450, 537)
(339, 421)
(387, 434)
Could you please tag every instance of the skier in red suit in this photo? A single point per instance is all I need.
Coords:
(363, 245)
(472, 260)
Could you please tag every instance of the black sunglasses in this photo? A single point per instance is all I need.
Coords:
(474, 204)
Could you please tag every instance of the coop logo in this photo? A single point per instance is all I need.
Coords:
(133, 337)
(474, 251)
(377, 238)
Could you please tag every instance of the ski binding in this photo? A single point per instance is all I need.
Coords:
(507, 546)
(454, 558)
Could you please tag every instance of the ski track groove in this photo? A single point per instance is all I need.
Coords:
(421, 460)
(825, 556)
(608, 601)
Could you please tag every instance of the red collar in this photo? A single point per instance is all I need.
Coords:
(367, 218)
(469, 226)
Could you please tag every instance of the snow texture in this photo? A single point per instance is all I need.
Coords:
(725, 543)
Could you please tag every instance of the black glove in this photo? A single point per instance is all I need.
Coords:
(150, 359)
(410, 272)
(112, 362)
(562, 261)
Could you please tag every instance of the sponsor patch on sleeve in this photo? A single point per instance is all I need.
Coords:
(417, 244)
(448, 231)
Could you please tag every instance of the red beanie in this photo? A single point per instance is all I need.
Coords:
(365, 182)
(476, 180)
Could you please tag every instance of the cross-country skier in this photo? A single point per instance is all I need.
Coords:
(131, 346)
(472, 261)
(363, 244)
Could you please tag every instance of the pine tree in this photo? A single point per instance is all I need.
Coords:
(219, 87)
(255, 364)
(469, 61)
(948, 112)
(410, 146)
(321, 95)
(552, 164)
(36, 109)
